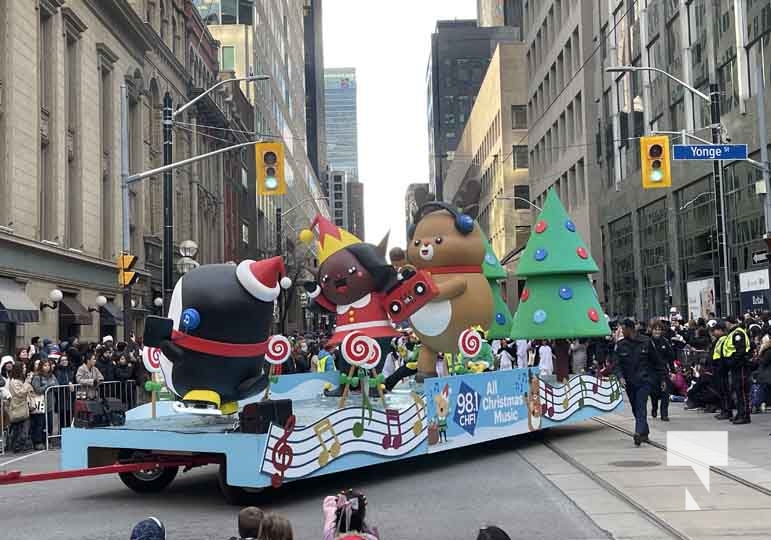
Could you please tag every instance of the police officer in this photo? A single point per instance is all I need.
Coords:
(720, 370)
(736, 350)
(640, 370)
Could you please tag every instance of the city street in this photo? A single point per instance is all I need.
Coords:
(448, 496)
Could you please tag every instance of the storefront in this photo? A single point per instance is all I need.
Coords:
(110, 317)
(15, 308)
(72, 315)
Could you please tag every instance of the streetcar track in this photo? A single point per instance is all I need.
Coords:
(717, 470)
(610, 488)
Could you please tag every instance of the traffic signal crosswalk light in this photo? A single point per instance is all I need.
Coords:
(654, 154)
(126, 276)
(270, 168)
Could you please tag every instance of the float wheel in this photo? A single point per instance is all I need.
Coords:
(235, 495)
(147, 481)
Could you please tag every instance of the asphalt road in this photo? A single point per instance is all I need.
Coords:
(447, 496)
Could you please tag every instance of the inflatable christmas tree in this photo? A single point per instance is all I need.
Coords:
(494, 271)
(559, 300)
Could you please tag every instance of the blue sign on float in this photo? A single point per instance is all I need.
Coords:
(709, 152)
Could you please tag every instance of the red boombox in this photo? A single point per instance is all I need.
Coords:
(412, 293)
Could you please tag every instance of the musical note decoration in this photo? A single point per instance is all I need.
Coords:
(293, 452)
(558, 403)
(420, 405)
(282, 454)
(325, 426)
(392, 419)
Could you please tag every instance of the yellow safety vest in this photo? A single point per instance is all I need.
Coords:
(717, 351)
(729, 349)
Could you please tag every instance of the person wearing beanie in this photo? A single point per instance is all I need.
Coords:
(149, 529)
(249, 522)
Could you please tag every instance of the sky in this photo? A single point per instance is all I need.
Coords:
(388, 43)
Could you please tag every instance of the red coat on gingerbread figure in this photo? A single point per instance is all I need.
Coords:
(353, 280)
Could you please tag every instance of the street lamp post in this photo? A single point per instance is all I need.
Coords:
(717, 166)
(168, 188)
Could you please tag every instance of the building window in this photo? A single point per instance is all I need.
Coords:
(654, 250)
(519, 153)
(622, 266)
(522, 194)
(107, 60)
(73, 209)
(46, 178)
(229, 11)
(228, 58)
(519, 117)
(245, 233)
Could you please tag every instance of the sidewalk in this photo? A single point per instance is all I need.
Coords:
(728, 509)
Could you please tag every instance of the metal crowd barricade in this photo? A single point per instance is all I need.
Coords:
(691, 357)
(64, 396)
(3, 428)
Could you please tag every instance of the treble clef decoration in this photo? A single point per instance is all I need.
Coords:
(282, 454)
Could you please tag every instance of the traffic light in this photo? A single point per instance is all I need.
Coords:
(654, 153)
(126, 276)
(270, 168)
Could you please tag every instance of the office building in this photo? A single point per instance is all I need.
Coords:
(314, 86)
(340, 119)
(562, 112)
(416, 196)
(491, 161)
(460, 54)
(500, 13)
(355, 194)
(660, 245)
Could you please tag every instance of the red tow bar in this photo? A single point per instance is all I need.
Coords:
(16, 477)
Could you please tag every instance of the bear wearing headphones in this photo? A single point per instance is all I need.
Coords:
(451, 247)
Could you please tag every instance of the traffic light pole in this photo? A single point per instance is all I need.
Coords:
(717, 173)
(279, 250)
(124, 187)
(168, 210)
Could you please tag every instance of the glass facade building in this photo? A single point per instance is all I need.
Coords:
(340, 119)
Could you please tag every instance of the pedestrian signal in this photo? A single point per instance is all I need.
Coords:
(126, 276)
(270, 168)
(654, 154)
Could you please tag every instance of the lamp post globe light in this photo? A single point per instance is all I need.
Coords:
(188, 248)
(101, 301)
(55, 295)
(185, 264)
(158, 302)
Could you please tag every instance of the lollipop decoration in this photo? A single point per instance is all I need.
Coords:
(279, 349)
(470, 343)
(363, 354)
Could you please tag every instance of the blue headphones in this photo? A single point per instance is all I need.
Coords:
(464, 223)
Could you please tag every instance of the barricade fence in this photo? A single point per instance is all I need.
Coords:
(64, 396)
(3, 428)
(691, 357)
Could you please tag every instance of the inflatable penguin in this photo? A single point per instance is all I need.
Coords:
(216, 335)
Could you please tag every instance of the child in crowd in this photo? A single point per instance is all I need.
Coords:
(344, 517)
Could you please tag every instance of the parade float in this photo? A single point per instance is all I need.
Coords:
(231, 409)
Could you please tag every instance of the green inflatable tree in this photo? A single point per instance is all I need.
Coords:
(559, 300)
(494, 272)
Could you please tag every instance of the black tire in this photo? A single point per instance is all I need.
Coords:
(237, 496)
(145, 481)
(151, 481)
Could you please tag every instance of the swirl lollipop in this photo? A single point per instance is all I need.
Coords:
(470, 343)
(360, 351)
(279, 349)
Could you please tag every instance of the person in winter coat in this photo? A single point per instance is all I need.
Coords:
(105, 364)
(73, 351)
(89, 376)
(42, 415)
(6, 364)
(18, 410)
(666, 356)
(344, 514)
(65, 376)
(639, 370)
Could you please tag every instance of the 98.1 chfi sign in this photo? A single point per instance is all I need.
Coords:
(709, 152)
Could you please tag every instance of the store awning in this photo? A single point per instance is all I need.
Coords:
(110, 315)
(15, 305)
(71, 311)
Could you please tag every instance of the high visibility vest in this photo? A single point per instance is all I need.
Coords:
(718, 350)
(322, 365)
(729, 349)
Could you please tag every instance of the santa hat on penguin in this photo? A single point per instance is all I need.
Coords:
(263, 279)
